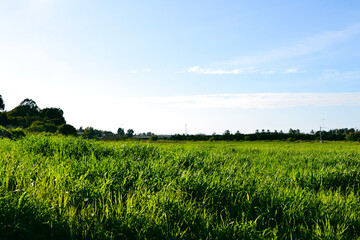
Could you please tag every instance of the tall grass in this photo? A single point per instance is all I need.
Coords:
(69, 188)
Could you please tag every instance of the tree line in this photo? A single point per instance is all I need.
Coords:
(342, 134)
(28, 116)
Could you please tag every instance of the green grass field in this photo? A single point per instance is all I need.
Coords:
(69, 188)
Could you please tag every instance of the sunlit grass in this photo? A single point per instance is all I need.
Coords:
(69, 188)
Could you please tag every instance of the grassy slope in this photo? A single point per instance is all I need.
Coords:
(68, 188)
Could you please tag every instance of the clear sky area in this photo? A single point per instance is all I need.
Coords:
(158, 65)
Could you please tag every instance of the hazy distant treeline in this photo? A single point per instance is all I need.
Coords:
(28, 116)
(293, 135)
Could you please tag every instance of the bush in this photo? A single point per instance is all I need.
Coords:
(67, 129)
(38, 126)
(17, 133)
(353, 136)
(154, 138)
(4, 132)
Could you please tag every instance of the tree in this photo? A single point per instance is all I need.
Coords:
(25, 114)
(353, 136)
(238, 136)
(27, 108)
(54, 115)
(154, 138)
(291, 131)
(121, 132)
(227, 135)
(29, 102)
(91, 133)
(2, 104)
(67, 129)
(3, 119)
(130, 133)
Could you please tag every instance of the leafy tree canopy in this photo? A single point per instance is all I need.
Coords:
(121, 131)
(54, 115)
(91, 133)
(39, 126)
(130, 133)
(30, 103)
(67, 129)
(27, 108)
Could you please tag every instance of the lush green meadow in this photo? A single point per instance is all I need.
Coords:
(69, 188)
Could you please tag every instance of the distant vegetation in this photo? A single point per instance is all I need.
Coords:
(29, 117)
(292, 135)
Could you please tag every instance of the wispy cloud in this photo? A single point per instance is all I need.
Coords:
(294, 70)
(145, 70)
(311, 45)
(307, 46)
(261, 100)
(242, 71)
(198, 69)
(336, 75)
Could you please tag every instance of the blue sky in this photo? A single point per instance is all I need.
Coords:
(158, 65)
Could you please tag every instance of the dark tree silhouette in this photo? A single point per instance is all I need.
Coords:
(130, 133)
(27, 108)
(2, 104)
(54, 115)
(67, 129)
(121, 131)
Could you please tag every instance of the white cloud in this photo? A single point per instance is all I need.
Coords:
(242, 71)
(247, 70)
(261, 100)
(194, 69)
(294, 70)
(335, 75)
(145, 70)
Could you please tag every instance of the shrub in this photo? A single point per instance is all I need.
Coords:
(67, 129)
(17, 133)
(4, 132)
(38, 126)
(353, 136)
(154, 138)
